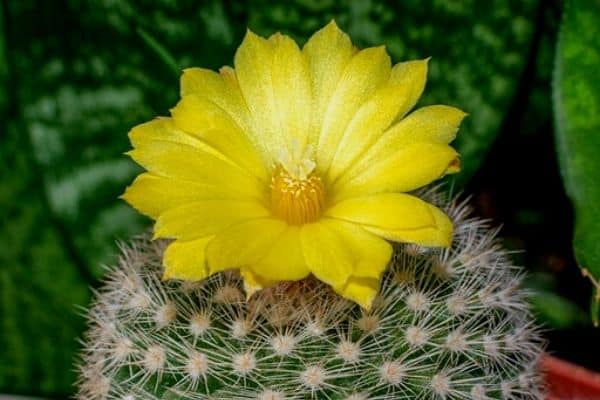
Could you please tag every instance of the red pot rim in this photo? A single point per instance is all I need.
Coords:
(568, 381)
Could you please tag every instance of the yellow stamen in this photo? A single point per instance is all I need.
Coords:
(297, 201)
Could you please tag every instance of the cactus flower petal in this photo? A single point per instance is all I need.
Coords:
(360, 290)
(335, 251)
(204, 120)
(366, 71)
(205, 217)
(398, 217)
(244, 244)
(390, 102)
(186, 260)
(273, 75)
(421, 163)
(284, 261)
(326, 254)
(370, 252)
(296, 162)
(166, 151)
(253, 282)
(153, 194)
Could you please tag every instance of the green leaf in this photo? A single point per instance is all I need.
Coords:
(577, 119)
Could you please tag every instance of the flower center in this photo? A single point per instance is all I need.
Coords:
(297, 193)
(297, 201)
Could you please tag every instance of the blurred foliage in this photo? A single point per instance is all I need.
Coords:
(79, 74)
(40, 283)
(577, 105)
(557, 311)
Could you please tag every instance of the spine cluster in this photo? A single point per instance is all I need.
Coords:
(448, 324)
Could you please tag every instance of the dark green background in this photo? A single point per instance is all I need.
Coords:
(77, 75)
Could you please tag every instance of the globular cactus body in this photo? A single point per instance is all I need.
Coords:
(448, 324)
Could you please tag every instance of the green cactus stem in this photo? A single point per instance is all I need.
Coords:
(447, 324)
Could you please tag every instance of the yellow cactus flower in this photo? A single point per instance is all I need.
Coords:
(296, 162)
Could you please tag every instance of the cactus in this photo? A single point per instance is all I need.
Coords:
(447, 324)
